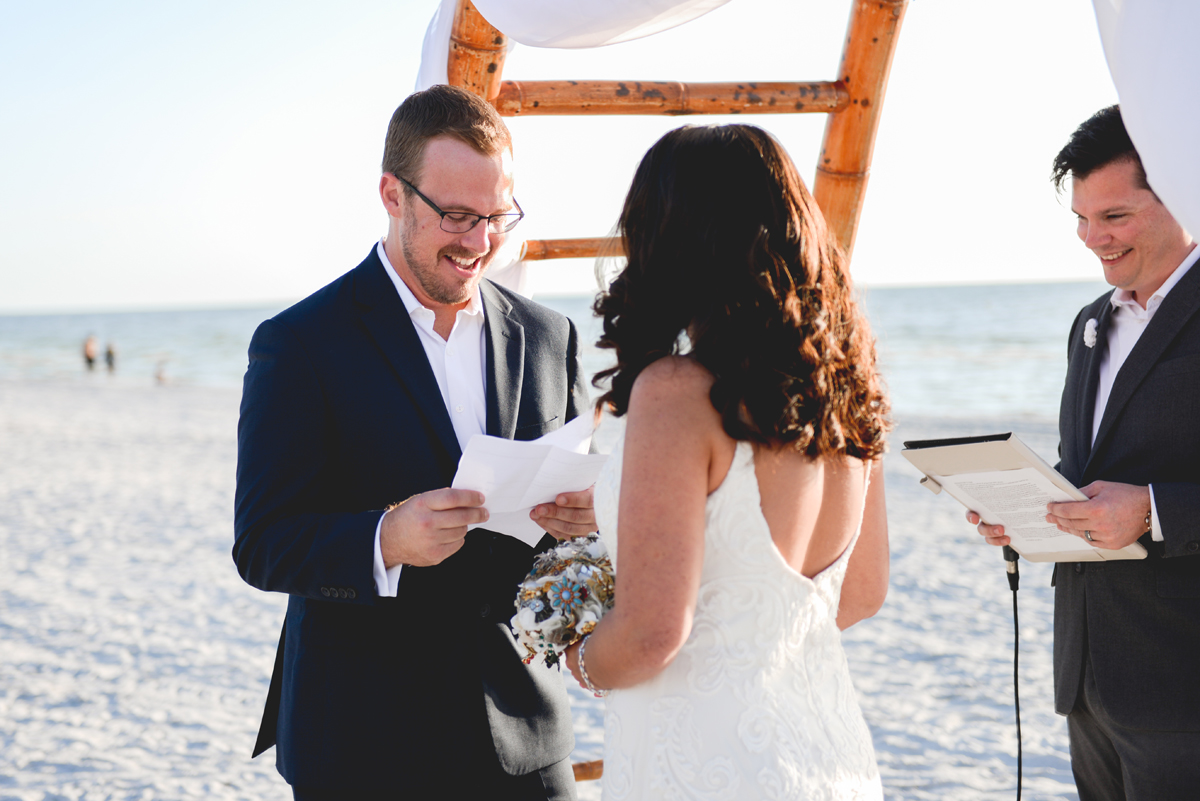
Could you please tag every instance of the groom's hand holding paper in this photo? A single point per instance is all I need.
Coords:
(429, 528)
(571, 515)
(536, 486)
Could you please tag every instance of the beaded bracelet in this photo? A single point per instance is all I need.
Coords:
(587, 682)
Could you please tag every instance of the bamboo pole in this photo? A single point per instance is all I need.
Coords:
(588, 771)
(542, 249)
(845, 161)
(525, 98)
(477, 52)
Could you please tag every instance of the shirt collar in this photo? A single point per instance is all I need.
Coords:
(411, 304)
(1123, 297)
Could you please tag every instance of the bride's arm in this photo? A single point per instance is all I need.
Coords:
(866, 583)
(670, 434)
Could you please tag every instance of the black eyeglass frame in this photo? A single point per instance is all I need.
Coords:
(520, 215)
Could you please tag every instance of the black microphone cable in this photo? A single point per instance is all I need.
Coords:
(1014, 578)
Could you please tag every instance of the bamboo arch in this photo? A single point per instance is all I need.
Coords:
(853, 101)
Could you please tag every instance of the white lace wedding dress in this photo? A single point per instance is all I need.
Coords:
(759, 703)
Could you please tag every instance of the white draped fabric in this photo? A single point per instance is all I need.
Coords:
(560, 24)
(588, 23)
(1150, 47)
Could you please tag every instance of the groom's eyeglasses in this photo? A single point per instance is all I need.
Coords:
(459, 222)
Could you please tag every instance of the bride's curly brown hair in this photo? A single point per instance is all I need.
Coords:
(727, 250)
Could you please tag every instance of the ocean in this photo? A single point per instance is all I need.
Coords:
(948, 351)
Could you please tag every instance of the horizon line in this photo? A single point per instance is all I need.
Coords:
(250, 305)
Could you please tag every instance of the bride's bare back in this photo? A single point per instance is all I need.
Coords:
(813, 507)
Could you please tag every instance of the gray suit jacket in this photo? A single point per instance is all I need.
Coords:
(1138, 621)
(341, 416)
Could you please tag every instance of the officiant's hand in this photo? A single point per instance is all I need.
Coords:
(430, 527)
(993, 534)
(571, 515)
(1113, 516)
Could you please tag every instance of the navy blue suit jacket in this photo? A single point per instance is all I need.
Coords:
(341, 416)
(1138, 621)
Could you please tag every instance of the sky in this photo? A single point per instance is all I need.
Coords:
(169, 155)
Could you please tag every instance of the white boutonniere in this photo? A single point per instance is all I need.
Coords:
(1089, 333)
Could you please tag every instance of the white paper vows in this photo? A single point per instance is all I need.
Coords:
(516, 476)
(1016, 499)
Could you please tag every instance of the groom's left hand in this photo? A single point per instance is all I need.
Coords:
(571, 515)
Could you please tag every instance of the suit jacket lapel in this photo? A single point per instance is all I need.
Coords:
(383, 313)
(1086, 402)
(1180, 304)
(505, 362)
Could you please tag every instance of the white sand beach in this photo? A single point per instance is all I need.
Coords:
(134, 661)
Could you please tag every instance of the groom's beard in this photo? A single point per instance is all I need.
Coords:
(442, 282)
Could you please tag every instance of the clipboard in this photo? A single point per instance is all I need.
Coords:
(999, 476)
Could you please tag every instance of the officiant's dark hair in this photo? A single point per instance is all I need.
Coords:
(440, 111)
(1101, 140)
(727, 249)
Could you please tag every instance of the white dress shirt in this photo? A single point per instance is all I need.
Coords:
(458, 364)
(1125, 328)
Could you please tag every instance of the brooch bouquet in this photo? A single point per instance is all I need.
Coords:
(563, 598)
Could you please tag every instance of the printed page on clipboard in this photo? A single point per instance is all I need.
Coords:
(1008, 484)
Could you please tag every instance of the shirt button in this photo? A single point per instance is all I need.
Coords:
(449, 351)
(458, 408)
(1193, 546)
(1078, 567)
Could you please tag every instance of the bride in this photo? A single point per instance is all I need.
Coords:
(744, 505)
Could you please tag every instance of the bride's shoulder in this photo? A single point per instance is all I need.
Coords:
(672, 421)
(673, 392)
(672, 378)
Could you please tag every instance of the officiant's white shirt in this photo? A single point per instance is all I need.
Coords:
(1125, 328)
(458, 365)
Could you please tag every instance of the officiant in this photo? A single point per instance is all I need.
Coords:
(1127, 633)
(396, 674)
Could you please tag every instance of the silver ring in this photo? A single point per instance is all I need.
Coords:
(1088, 535)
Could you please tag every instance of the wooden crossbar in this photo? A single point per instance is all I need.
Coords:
(542, 249)
(528, 98)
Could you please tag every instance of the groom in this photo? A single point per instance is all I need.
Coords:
(397, 675)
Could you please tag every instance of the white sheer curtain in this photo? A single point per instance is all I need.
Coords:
(1152, 55)
(560, 24)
